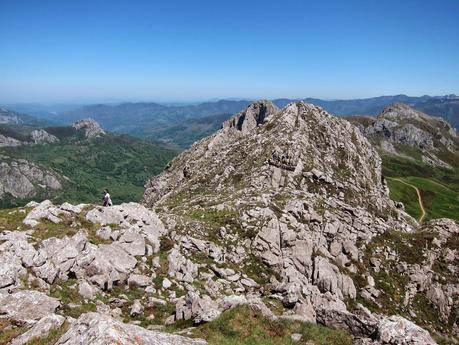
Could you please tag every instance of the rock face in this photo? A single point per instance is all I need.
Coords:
(27, 307)
(399, 126)
(397, 330)
(40, 136)
(91, 128)
(100, 329)
(8, 141)
(20, 178)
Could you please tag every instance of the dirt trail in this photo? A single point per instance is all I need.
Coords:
(418, 192)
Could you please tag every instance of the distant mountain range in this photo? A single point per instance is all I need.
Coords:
(183, 124)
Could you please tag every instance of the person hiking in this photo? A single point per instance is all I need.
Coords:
(106, 199)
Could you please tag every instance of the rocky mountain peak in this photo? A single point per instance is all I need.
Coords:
(300, 147)
(256, 114)
(91, 127)
(401, 126)
(402, 112)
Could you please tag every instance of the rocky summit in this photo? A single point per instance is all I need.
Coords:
(91, 127)
(400, 129)
(281, 221)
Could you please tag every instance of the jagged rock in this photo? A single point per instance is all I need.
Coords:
(397, 330)
(132, 242)
(76, 209)
(27, 306)
(8, 141)
(362, 326)
(105, 264)
(11, 269)
(87, 290)
(139, 280)
(181, 268)
(20, 178)
(249, 119)
(401, 124)
(40, 329)
(91, 128)
(44, 210)
(104, 233)
(101, 329)
(40, 136)
(136, 308)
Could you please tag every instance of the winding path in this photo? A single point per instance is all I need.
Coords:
(418, 192)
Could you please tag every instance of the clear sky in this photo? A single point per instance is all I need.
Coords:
(59, 51)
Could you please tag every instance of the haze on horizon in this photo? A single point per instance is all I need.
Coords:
(106, 51)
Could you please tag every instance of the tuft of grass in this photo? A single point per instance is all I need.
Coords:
(244, 326)
(9, 331)
(11, 218)
(67, 293)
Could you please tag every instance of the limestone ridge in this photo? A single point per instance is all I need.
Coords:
(399, 126)
(266, 148)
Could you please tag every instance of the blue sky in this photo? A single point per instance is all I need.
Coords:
(63, 51)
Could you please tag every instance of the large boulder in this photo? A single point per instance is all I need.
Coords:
(396, 330)
(27, 306)
(101, 329)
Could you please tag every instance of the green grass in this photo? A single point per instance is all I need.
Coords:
(439, 201)
(120, 163)
(407, 195)
(439, 187)
(8, 331)
(242, 325)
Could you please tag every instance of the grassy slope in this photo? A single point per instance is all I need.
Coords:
(119, 163)
(439, 187)
(407, 195)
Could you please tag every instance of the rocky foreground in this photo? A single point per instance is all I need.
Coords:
(284, 212)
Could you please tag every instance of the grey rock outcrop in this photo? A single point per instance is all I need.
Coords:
(396, 330)
(8, 141)
(40, 329)
(101, 329)
(27, 306)
(40, 136)
(91, 128)
(20, 178)
(401, 125)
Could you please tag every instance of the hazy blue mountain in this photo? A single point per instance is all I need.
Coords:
(181, 124)
(9, 117)
(141, 119)
(184, 134)
(447, 108)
